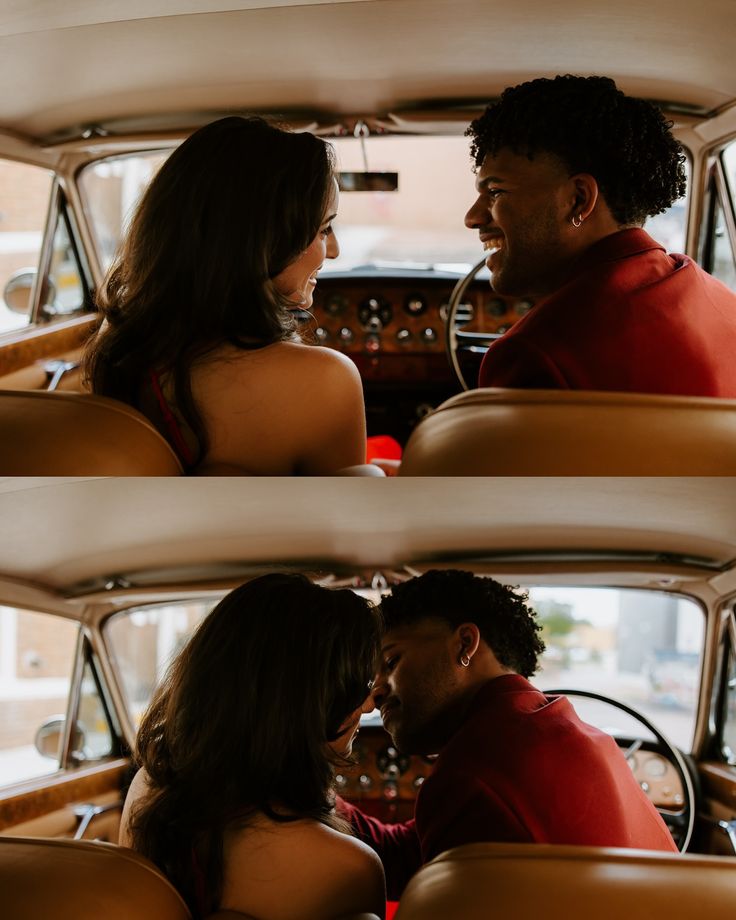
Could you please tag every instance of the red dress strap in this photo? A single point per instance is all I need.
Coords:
(174, 429)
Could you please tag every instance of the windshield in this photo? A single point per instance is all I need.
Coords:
(643, 648)
(420, 226)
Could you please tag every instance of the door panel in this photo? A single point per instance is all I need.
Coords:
(719, 804)
(46, 808)
(24, 354)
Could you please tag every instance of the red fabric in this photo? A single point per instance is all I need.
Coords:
(631, 319)
(382, 447)
(522, 768)
(176, 437)
(391, 908)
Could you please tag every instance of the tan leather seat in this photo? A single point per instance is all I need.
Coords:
(74, 434)
(484, 881)
(497, 432)
(82, 880)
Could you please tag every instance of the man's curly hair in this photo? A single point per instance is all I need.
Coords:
(592, 127)
(500, 612)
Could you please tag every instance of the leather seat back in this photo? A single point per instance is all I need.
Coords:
(497, 432)
(73, 434)
(82, 880)
(532, 881)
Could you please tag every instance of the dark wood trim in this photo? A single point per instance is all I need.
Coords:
(26, 346)
(38, 797)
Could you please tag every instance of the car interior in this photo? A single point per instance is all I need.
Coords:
(633, 579)
(612, 511)
(393, 86)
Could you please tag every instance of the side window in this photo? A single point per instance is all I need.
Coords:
(25, 192)
(728, 706)
(37, 653)
(92, 738)
(42, 680)
(64, 292)
(718, 240)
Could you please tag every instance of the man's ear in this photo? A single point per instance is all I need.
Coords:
(468, 640)
(584, 197)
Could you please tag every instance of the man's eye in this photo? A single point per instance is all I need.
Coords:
(391, 663)
(495, 192)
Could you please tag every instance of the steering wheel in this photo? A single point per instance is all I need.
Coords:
(680, 824)
(456, 339)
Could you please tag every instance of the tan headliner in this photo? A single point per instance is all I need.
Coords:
(82, 62)
(58, 533)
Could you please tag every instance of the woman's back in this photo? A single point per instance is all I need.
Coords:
(281, 410)
(298, 870)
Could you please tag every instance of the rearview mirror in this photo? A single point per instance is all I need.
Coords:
(368, 181)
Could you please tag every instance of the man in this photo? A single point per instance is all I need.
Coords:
(513, 765)
(567, 172)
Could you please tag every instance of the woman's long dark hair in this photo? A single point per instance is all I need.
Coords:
(240, 723)
(231, 207)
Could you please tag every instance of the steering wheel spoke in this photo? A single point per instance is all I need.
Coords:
(458, 340)
(476, 338)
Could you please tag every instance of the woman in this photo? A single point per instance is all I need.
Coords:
(234, 798)
(225, 245)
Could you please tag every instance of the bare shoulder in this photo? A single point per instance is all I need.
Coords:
(327, 359)
(277, 363)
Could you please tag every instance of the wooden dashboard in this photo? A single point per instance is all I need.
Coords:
(393, 325)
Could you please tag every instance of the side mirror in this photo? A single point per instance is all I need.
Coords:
(17, 292)
(49, 737)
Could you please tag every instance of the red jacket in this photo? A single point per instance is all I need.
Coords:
(630, 319)
(521, 768)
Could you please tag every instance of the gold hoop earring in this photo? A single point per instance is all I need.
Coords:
(464, 661)
(577, 223)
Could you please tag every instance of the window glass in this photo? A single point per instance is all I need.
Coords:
(36, 661)
(642, 648)
(24, 200)
(143, 641)
(729, 711)
(110, 191)
(65, 291)
(729, 167)
(724, 264)
(93, 738)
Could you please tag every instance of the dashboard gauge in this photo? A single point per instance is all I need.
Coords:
(655, 766)
(336, 304)
(415, 304)
(496, 307)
